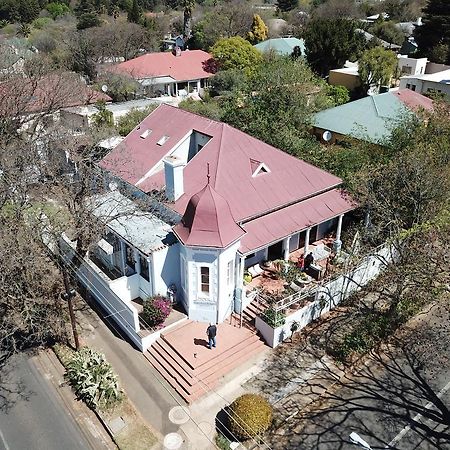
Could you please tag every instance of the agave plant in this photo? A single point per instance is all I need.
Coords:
(93, 379)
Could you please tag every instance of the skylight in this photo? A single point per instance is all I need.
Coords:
(146, 133)
(258, 168)
(163, 140)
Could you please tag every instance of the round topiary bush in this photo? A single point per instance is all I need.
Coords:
(250, 415)
(156, 310)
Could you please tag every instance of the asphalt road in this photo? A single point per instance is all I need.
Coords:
(379, 401)
(32, 416)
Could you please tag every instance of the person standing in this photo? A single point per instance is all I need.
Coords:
(211, 332)
(309, 259)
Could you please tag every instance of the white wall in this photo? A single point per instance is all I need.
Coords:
(260, 256)
(424, 86)
(126, 288)
(411, 66)
(165, 269)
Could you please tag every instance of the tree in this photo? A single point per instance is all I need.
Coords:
(135, 12)
(387, 31)
(235, 53)
(229, 19)
(275, 104)
(435, 31)
(286, 5)
(339, 94)
(188, 6)
(259, 30)
(130, 120)
(88, 20)
(329, 43)
(376, 67)
(57, 9)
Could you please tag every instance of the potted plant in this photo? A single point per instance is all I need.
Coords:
(247, 278)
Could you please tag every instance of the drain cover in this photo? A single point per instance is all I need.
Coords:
(172, 441)
(179, 415)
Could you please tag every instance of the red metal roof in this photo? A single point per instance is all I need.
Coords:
(229, 154)
(284, 222)
(413, 100)
(208, 221)
(189, 65)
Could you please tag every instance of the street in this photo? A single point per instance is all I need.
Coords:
(32, 415)
(397, 399)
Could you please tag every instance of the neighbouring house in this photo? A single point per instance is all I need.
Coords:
(26, 99)
(348, 76)
(282, 46)
(219, 202)
(370, 37)
(173, 73)
(411, 66)
(438, 83)
(370, 119)
(81, 117)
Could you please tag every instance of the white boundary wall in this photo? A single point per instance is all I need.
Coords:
(329, 295)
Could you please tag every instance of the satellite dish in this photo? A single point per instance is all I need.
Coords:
(326, 136)
(105, 88)
(113, 186)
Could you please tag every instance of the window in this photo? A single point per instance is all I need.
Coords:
(163, 140)
(230, 273)
(408, 86)
(146, 133)
(413, 87)
(144, 268)
(204, 280)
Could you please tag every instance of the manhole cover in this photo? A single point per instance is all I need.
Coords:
(179, 415)
(172, 441)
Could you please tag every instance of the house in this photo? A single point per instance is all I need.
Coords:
(438, 82)
(26, 98)
(169, 73)
(348, 76)
(411, 66)
(370, 37)
(81, 117)
(282, 46)
(369, 119)
(220, 201)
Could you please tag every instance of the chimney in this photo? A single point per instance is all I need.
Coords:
(173, 171)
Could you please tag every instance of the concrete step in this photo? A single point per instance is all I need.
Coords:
(201, 383)
(163, 352)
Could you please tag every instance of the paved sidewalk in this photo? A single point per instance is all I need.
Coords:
(152, 396)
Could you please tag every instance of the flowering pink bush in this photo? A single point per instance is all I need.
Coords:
(156, 310)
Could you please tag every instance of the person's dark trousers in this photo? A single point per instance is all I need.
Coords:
(212, 342)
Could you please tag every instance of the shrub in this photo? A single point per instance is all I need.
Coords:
(93, 379)
(250, 415)
(274, 318)
(130, 120)
(156, 310)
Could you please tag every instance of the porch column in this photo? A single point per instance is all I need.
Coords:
(169, 89)
(308, 231)
(337, 244)
(176, 89)
(198, 85)
(137, 262)
(286, 243)
(240, 272)
(123, 258)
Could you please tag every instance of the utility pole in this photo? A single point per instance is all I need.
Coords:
(68, 296)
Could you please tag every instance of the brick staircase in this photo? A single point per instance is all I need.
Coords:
(182, 358)
(256, 307)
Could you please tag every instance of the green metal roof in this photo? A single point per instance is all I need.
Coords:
(371, 118)
(283, 46)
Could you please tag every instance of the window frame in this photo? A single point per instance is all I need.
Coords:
(201, 292)
(147, 264)
(230, 273)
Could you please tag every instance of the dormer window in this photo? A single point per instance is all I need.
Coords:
(258, 168)
(163, 140)
(145, 134)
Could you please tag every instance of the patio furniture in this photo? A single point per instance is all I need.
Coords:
(255, 270)
(315, 271)
(295, 287)
(320, 252)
